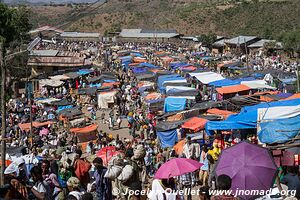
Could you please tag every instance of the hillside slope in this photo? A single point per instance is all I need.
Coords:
(267, 19)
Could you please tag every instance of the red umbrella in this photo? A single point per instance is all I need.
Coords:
(106, 153)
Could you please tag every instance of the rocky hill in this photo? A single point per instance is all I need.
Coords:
(190, 17)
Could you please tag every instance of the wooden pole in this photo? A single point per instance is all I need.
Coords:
(3, 114)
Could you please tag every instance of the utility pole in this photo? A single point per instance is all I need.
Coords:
(3, 114)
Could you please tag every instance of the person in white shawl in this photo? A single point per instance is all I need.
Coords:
(159, 193)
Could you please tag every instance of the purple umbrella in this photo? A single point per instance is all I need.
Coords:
(177, 167)
(250, 167)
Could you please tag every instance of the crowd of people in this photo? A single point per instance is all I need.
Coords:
(56, 166)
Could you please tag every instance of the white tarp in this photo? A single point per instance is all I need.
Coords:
(207, 77)
(280, 112)
(47, 101)
(59, 77)
(179, 88)
(105, 98)
(76, 122)
(50, 82)
(185, 97)
(257, 84)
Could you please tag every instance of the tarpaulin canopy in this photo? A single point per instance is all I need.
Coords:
(224, 113)
(174, 89)
(174, 104)
(70, 112)
(195, 124)
(188, 68)
(50, 82)
(149, 65)
(208, 104)
(47, 100)
(62, 102)
(111, 84)
(247, 118)
(84, 71)
(176, 65)
(87, 91)
(60, 108)
(139, 60)
(167, 138)
(87, 129)
(207, 77)
(224, 82)
(59, 77)
(145, 77)
(165, 125)
(26, 126)
(257, 84)
(279, 130)
(153, 96)
(139, 70)
(104, 98)
(232, 89)
(295, 96)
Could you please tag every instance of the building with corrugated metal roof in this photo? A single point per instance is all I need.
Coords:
(149, 35)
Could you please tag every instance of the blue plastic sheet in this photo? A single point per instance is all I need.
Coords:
(176, 65)
(84, 71)
(247, 118)
(167, 138)
(139, 70)
(60, 108)
(149, 65)
(95, 85)
(174, 104)
(279, 131)
(229, 82)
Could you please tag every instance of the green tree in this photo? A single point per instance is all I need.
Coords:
(208, 40)
(14, 24)
(291, 41)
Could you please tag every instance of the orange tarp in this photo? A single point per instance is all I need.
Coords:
(224, 113)
(153, 96)
(176, 117)
(232, 89)
(87, 129)
(26, 126)
(194, 124)
(133, 64)
(110, 84)
(139, 60)
(267, 92)
(295, 96)
(179, 147)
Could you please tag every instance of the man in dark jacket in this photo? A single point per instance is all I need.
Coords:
(103, 185)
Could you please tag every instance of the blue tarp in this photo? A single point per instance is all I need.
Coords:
(174, 104)
(149, 65)
(167, 138)
(139, 70)
(176, 65)
(247, 118)
(60, 108)
(284, 95)
(109, 81)
(229, 82)
(136, 54)
(224, 82)
(164, 78)
(176, 89)
(125, 58)
(84, 71)
(279, 131)
(95, 85)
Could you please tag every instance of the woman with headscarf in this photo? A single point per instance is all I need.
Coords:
(74, 189)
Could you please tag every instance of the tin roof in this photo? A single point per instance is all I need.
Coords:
(144, 33)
